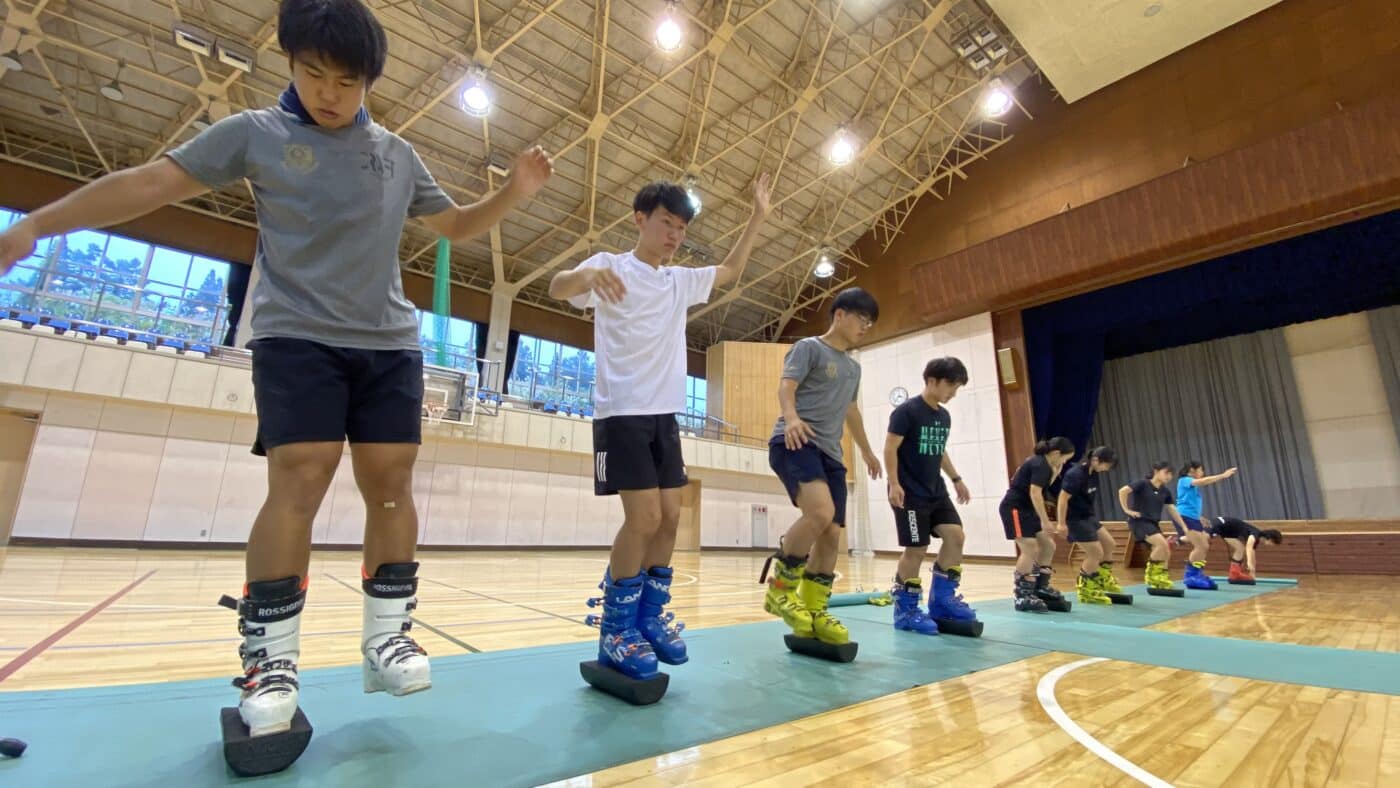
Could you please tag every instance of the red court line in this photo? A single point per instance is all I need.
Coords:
(38, 648)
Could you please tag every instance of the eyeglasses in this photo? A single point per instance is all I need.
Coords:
(865, 322)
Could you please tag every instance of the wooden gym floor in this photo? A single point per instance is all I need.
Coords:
(160, 623)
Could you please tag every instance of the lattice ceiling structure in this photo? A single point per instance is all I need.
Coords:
(755, 87)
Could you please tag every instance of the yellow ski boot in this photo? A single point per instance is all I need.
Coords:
(1090, 591)
(814, 592)
(782, 600)
(1107, 581)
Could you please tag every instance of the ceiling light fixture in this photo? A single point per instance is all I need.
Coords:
(843, 148)
(10, 61)
(997, 100)
(113, 90)
(476, 94)
(826, 265)
(694, 194)
(668, 31)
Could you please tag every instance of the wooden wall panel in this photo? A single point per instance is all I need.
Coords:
(1018, 420)
(1338, 168)
(1290, 66)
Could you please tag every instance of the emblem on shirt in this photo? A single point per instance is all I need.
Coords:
(831, 370)
(300, 159)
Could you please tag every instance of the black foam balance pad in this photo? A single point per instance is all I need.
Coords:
(638, 692)
(812, 647)
(1176, 592)
(1120, 599)
(250, 756)
(960, 627)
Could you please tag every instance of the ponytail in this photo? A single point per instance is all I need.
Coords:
(1059, 444)
(1103, 454)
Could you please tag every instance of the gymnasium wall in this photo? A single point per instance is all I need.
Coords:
(1348, 418)
(135, 446)
(976, 443)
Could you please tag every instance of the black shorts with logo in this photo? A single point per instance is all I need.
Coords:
(915, 525)
(637, 453)
(307, 392)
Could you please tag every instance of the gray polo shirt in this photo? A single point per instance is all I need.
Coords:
(331, 206)
(827, 382)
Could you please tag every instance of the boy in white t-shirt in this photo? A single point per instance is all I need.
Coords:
(639, 318)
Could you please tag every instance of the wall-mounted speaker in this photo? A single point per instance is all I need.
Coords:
(1006, 367)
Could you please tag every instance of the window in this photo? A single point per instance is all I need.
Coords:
(112, 280)
(553, 374)
(447, 342)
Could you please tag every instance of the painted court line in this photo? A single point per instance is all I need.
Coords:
(38, 648)
(1045, 692)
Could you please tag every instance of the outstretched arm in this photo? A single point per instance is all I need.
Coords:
(461, 222)
(111, 199)
(1206, 481)
(734, 263)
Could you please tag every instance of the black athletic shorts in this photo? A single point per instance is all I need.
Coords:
(1018, 523)
(637, 453)
(809, 464)
(914, 526)
(1142, 530)
(1085, 530)
(307, 392)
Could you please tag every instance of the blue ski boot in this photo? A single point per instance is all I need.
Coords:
(908, 616)
(620, 646)
(658, 629)
(1197, 578)
(944, 601)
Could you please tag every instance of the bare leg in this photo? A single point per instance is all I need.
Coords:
(641, 520)
(663, 544)
(384, 474)
(298, 475)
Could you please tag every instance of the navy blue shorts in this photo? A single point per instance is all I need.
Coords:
(307, 392)
(1192, 524)
(809, 464)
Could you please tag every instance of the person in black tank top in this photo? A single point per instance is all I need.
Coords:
(1242, 537)
(1023, 515)
(1075, 510)
(1145, 501)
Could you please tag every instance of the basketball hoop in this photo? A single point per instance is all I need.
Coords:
(436, 412)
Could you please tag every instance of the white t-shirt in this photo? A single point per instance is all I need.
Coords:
(640, 341)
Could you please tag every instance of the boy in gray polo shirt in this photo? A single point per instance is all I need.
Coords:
(335, 342)
(817, 397)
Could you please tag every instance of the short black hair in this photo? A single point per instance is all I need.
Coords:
(1160, 465)
(344, 32)
(664, 194)
(946, 368)
(856, 301)
(1190, 465)
(1273, 535)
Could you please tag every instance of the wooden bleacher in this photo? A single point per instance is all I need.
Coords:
(1326, 547)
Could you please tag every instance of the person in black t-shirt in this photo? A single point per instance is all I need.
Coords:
(915, 459)
(1144, 501)
(1075, 509)
(1242, 537)
(1022, 513)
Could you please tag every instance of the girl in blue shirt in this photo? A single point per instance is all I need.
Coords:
(1188, 503)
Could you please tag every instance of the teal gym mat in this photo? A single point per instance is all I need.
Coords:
(525, 717)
